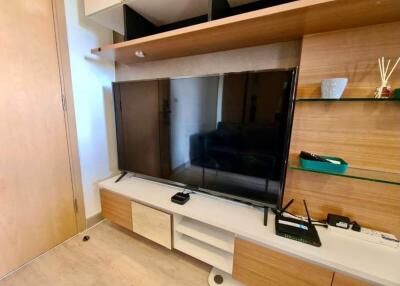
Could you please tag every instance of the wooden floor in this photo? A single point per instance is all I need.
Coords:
(112, 256)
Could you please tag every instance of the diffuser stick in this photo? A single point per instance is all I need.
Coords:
(380, 68)
(387, 68)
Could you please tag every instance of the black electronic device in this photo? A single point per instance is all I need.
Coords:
(180, 198)
(312, 157)
(338, 221)
(296, 229)
(355, 226)
(202, 135)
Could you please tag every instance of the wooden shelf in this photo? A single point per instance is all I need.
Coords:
(280, 23)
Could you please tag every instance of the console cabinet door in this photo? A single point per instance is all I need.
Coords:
(255, 265)
(344, 280)
(116, 208)
(153, 224)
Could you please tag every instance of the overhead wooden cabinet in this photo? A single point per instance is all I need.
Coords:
(110, 14)
(255, 265)
(36, 192)
(95, 6)
(107, 13)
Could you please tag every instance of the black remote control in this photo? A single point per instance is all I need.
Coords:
(313, 157)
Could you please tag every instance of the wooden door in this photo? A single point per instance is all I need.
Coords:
(94, 6)
(233, 100)
(36, 196)
(165, 127)
(140, 135)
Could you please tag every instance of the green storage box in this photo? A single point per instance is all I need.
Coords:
(325, 167)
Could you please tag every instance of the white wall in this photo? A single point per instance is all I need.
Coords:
(193, 110)
(91, 83)
(278, 55)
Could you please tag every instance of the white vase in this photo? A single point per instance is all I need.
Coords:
(333, 88)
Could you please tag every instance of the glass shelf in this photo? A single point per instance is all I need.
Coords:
(361, 174)
(348, 99)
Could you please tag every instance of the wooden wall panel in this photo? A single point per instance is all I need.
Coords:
(351, 53)
(116, 208)
(371, 204)
(258, 266)
(366, 134)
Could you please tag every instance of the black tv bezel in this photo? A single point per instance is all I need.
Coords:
(262, 204)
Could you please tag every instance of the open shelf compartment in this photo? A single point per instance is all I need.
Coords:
(355, 173)
(214, 256)
(216, 237)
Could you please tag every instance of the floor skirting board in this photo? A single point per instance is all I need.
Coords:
(91, 221)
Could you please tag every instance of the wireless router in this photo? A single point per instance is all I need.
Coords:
(296, 229)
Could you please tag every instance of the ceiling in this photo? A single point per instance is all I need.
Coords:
(161, 12)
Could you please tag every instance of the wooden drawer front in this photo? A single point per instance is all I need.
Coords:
(344, 280)
(116, 208)
(152, 224)
(258, 266)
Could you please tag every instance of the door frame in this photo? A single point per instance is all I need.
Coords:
(60, 28)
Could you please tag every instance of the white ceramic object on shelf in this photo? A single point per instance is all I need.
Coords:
(333, 88)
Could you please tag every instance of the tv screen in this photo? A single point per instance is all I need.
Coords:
(227, 135)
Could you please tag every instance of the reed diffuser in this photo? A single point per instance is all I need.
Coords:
(384, 90)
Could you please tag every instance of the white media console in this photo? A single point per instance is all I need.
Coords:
(207, 227)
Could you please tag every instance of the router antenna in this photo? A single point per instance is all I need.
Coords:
(287, 206)
(308, 215)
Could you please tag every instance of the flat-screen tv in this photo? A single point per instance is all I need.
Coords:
(226, 135)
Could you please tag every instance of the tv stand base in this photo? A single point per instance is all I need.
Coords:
(218, 277)
(266, 209)
(123, 174)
